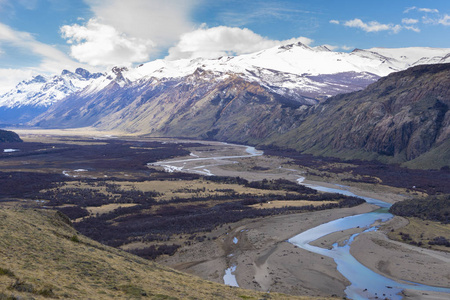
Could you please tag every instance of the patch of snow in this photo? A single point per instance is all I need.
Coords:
(229, 278)
(235, 240)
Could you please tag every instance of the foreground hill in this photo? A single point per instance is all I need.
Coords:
(43, 256)
(402, 117)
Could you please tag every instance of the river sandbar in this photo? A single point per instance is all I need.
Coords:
(402, 261)
(264, 259)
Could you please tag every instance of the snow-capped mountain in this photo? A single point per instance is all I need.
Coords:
(298, 73)
(295, 70)
(44, 90)
(31, 97)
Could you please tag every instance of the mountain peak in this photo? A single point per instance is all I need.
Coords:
(37, 79)
(83, 73)
(119, 70)
(66, 72)
(291, 46)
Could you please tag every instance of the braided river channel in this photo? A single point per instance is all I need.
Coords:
(365, 283)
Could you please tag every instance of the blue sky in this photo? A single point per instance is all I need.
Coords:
(46, 36)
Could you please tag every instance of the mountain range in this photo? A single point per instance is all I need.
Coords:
(32, 97)
(283, 96)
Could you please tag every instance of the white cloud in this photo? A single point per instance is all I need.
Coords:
(159, 21)
(445, 20)
(98, 44)
(219, 41)
(410, 21)
(372, 26)
(335, 22)
(428, 10)
(425, 10)
(127, 32)
(412, 28)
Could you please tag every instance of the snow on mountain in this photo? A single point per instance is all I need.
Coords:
(43, 91)
(295, 71)
(414, 56)
(298, 59)
(289, 70)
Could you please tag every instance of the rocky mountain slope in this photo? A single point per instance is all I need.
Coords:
(402, 117)
(279, 96)
(32, 97)
(299, 72)
(154, 97)
(75, 267)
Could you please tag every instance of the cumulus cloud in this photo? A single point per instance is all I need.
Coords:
(219, 41)
(159, 21)
(128, 32)
(98, 44)
(335, 22)
(372, 26)
(410, 21)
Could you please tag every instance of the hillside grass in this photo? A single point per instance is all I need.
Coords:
(43, 256)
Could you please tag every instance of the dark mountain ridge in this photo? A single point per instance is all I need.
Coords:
(399, 118)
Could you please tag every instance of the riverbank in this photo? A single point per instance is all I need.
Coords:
(264, 260)
(403, 262)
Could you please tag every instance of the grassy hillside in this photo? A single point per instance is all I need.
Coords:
(44, 257)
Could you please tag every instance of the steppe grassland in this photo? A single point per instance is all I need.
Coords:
(76, 267)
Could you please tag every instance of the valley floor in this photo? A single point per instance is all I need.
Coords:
(263, 258)
(265, 261)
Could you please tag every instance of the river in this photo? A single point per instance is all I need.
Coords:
(365, 283)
